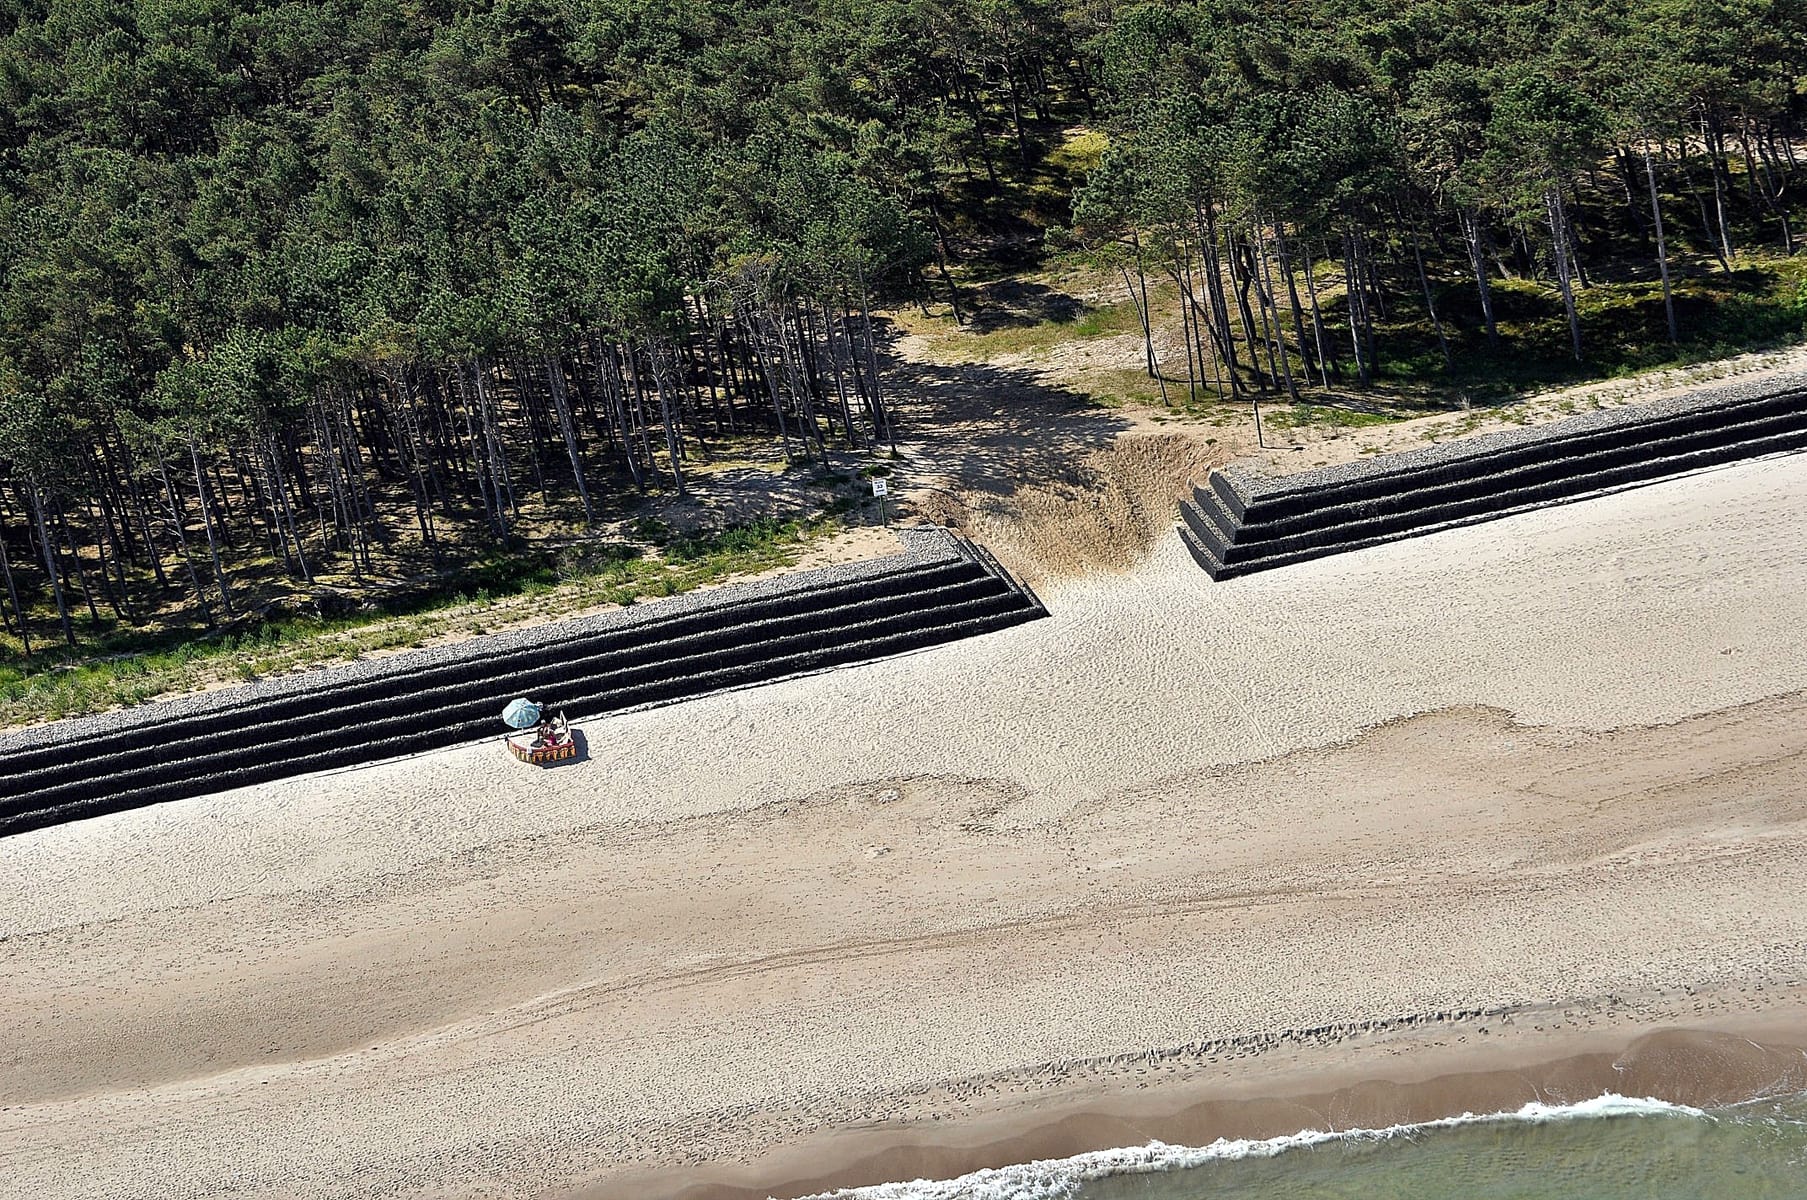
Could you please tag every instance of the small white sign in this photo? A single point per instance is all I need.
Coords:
(880, 487)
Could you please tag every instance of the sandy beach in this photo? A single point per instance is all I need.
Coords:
(1500, 813)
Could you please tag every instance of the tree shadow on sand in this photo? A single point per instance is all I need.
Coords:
(1017, 304)
(994, 429)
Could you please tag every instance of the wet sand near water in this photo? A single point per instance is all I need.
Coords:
(1421, 1075)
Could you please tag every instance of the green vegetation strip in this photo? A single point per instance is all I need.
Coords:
(501, 592)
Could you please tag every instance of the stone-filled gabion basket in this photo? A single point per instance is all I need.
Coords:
(1243, 522)
(940, 588)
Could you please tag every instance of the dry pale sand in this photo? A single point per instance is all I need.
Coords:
(1554, 765)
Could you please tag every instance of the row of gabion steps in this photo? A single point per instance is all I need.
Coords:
(922, 601)
(1231, 532)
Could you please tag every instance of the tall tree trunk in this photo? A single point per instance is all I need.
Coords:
(1352, 289)
(797, 333)
(338, 490)
(498, 455)
(1626, 173)
(1251, 280)
(493, 516)
(655, 356)
(50, 567)
(226, 514)
(111, 504)
(264, 508)
(117, 600)
(1785, 150)
(213, 549)
(1142, 310)
(642, 426)
(878, 398)
(797, 380)
(1700, 200)
(422, 474)
(1141, 307)
(616, 386)
(537, 436)
(1709, 133)
(1205, 214)
(561, 403)
(346, 460)
(1181, 277)
(1430, 301)
(119, 589)
(1762, 184)
(129, 470)
(718, 339)
(1326, 350)
(764, 359)
(941, 256)
(12, 592)
(1241, 286)
(1016, 115)
(1662, 249)
(1472, 233)
(1272, 299)
(1559, 242)
(856, 368)
(285, 513)
(1577, 261)
(65, 538)
(1374, 295)
(840, 379)
(179, 518)
(1298, 312)
(1202, 331)
(1154, 368)
(363, 507)
(1750, 165)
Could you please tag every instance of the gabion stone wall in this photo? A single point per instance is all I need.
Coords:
(1242, 521)
(940, 588)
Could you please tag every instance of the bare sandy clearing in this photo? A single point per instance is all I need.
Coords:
(1015, 449)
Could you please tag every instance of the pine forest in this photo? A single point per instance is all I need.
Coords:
(305, 293)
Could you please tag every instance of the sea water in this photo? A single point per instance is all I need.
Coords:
(1611, 1148)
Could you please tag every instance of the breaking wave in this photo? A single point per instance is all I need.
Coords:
(1059, 1178)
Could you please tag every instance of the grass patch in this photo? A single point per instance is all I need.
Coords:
(1078, 155)
(1131, 387)
(1019, 334)
(1322, 416)
(1761, 305)
(131, 667)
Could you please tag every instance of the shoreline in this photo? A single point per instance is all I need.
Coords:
(1337, 1078)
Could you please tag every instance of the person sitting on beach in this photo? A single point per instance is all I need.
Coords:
(547, 729)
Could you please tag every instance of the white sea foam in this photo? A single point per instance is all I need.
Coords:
(1058, 1178)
